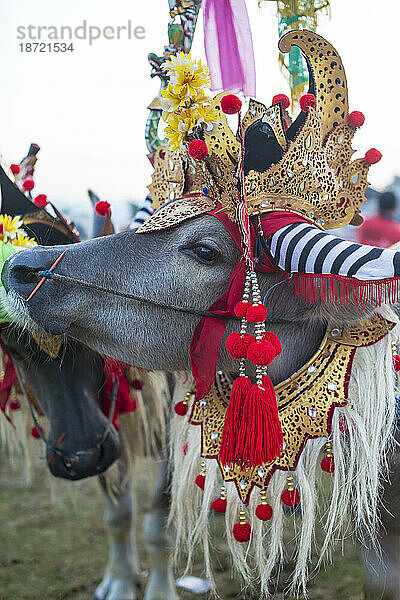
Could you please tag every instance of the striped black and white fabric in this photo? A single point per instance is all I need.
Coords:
(303, 248)
(142, 214)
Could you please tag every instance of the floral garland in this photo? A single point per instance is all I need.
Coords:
(185, 102)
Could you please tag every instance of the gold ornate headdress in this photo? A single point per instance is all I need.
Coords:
(315, 177)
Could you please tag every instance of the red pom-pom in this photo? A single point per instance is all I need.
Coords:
(181, 408)
(306, 101)
(256, 313)
(283, 99)
(41, 201)
(102, 208)
(290, 497)
(219, 505)
(15, 405)
(356, 118)
(396, 362)
(241, 309)
(237, 344)
(35, 434)
(200, 481)
(372, 156)
(328, 464)
(15, 169)
(28, 184)
(231, 104)
(264, 512)
(270, 337)
(261, 353)
(198, 149)
(137, 384)
(185, 448)
(241, 532)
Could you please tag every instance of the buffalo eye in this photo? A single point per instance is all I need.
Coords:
(204, 254)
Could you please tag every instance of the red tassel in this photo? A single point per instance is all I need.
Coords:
(219, 505)
(233, 416)
(35, 434)
(291, 497)
(396, 362)
(264, 512)
(200, 481)
(260, 435)
(181, 408)
(241, 532)
(328, 464)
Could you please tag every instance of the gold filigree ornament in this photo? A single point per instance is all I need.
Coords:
(306, 403)
(315, 177)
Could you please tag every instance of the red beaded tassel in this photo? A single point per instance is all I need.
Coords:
(181, 407)
(242, 530)
(328, 462)
(200, 480)
(291, 496)
(264, 510)
(252, 432)
(219, 504)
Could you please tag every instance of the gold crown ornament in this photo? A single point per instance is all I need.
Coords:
(314, 175)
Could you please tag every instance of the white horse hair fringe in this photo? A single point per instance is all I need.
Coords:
(352, 505)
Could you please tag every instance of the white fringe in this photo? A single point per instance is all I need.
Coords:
(352, 505)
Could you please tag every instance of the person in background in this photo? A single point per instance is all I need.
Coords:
(381, 229)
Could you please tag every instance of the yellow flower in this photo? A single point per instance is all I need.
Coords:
(177, 62)
(208, 116)
(23, 241)
(180, 124)
(186, 76)
(171, 101)
(9, 227)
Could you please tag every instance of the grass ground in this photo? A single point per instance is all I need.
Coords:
(56, 549)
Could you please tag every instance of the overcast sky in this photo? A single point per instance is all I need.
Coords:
(87, 108)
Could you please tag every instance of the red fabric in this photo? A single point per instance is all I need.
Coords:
(6, 384)
(124, 403)
(379, 231)
(204, 347)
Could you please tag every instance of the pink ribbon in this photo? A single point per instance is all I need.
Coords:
(229, 46)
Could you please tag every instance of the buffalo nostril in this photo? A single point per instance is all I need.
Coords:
(24, 275)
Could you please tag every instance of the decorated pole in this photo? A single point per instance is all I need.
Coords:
(181, 30)
(297, 14)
